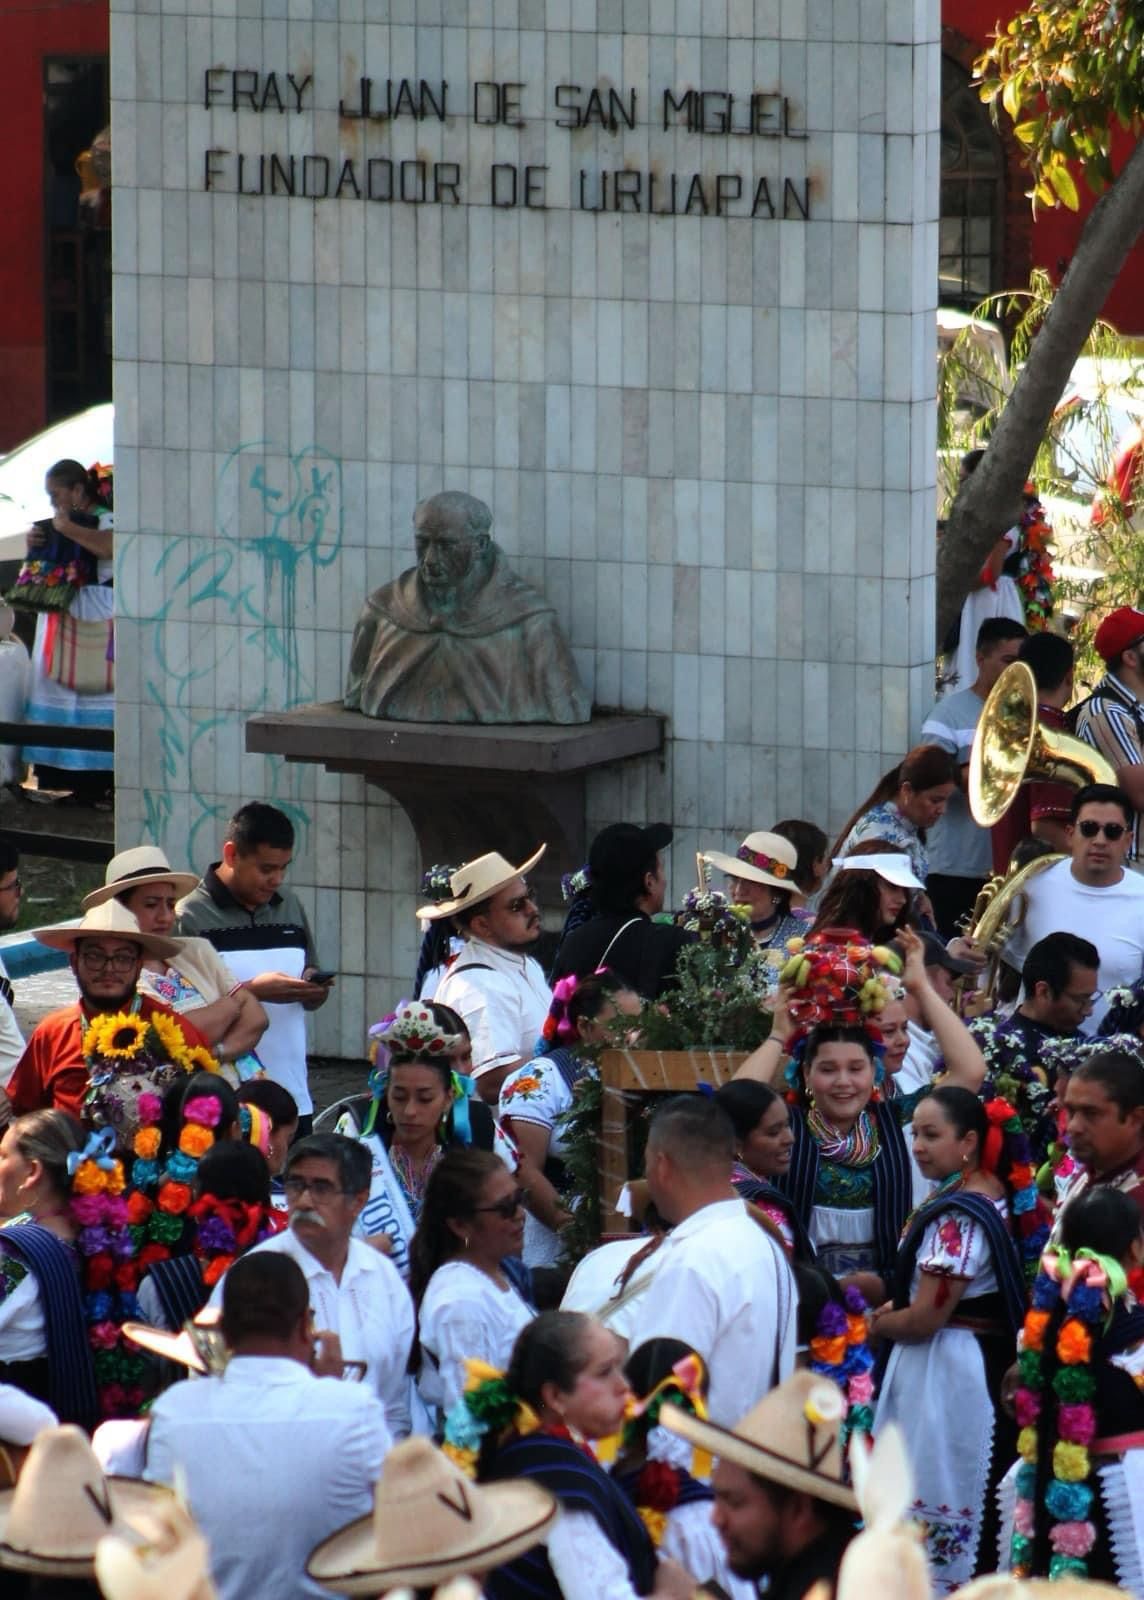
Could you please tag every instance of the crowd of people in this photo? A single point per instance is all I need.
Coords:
(361, 1350)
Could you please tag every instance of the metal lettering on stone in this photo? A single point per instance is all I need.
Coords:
(460, 637)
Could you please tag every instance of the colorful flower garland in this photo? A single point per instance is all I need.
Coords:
(840, 1351)
(488, 1405)
(164, 1222)
(1009, 1154)
(224, 1229)
(109, 1272)
(1060, 1415)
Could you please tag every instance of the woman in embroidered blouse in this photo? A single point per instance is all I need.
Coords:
(195, 980)
(472, 1218)
(535, 1097)
(568, 1370)
(906, 801)
(43, 1335)
(421, 1106)
(850, 1176)
(958, 1300)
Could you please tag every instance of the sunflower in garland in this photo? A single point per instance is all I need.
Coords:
(198, 1059)
(118, 1037)
(171, 1039)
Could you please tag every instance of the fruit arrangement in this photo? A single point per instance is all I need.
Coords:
(836, 976)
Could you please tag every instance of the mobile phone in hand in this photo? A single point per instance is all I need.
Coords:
(322, 975)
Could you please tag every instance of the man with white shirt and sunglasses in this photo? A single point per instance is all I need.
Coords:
(1092, 894)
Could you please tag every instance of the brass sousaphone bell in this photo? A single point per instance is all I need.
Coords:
(1011, 747)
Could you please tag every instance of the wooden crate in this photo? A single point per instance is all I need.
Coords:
(627, 1072)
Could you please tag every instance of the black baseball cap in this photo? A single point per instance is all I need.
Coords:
(938, 956)
(622, 846)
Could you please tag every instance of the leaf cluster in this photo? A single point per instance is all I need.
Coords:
(1067, 73)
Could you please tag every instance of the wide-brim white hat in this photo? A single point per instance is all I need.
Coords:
(761, 858)
(887, 864)
(476, 881)
(132, 869)
(166, 1559)
(791, 1438)
(109, 920)
(62, 1505)
(430, 1523)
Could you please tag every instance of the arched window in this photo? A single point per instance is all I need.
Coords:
(971, 194)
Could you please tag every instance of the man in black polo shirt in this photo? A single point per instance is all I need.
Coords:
(261, 931)
(1059, 979)
(627, 887)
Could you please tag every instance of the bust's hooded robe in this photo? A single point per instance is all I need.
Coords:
(502, 658)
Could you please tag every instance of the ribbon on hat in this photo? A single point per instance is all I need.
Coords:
(765, 863)
(99, 1148)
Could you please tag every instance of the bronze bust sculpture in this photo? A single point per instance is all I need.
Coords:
(459, 637)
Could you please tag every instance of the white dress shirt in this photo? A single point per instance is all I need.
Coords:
(503, 998)
(275, 1460)
(369, 1310)
(724, 1287)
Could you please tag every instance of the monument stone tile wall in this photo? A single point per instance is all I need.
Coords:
(684, 350)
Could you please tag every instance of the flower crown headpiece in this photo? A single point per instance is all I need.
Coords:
(412, 1030)
(837, 976)
(683, 1386)
(437, 883)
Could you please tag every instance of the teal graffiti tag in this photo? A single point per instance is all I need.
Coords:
(278, 523)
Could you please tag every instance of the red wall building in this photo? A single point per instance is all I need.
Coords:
(53, 294)
(1018, 241)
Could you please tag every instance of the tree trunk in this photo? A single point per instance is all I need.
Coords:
(989, 502)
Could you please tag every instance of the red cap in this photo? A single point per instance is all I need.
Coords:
(1119, 630)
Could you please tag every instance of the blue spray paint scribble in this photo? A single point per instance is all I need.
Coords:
(286, 510)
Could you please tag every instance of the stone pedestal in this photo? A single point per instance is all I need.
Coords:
(462, 787)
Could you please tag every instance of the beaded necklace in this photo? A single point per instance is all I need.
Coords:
(858, 1148)
(412, 1179)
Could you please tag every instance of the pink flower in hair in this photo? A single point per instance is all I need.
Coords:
(203, 1109)
(148, 1108)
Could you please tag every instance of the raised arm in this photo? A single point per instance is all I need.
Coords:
(964, 1063)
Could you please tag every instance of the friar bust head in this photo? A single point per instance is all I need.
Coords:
(460, 637)
(455, 549)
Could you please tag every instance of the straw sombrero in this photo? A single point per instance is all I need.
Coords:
(761, 858)
(789, 1438)
(429, 1523)
(171, 1563)
(132, 869)
(62, 1505)
(476, 881)
(111, 921)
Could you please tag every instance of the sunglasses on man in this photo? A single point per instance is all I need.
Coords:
(1111, 830)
